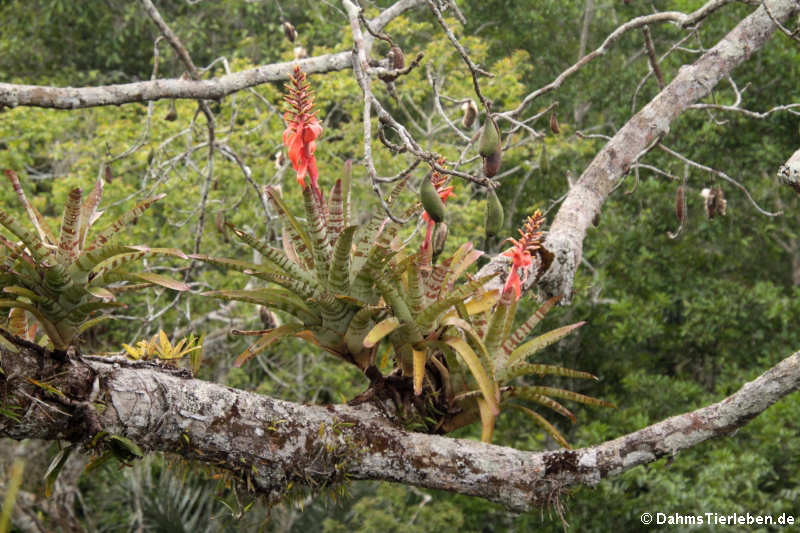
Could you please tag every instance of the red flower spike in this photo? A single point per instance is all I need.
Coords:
(520, 253)
(303, 130)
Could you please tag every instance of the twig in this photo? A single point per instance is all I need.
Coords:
(651, 55)
(183, 54)
(438, 105)
(792, 34)
(682, 19)
(473, 68)
(721, 175)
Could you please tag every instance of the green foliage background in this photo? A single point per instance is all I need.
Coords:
(672, 324)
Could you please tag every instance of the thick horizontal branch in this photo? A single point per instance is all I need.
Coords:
(273, 444)
(641, 132)
(13, 95)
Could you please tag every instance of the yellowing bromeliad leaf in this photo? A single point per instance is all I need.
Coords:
(486, 384)
(466, 327)
(420, 357)
(158, 279)
(46, 387)
(134, 353)
(488, 419)
(164, 346)
(541, 342)
(102, 293)
(380, 330)
(482, 303)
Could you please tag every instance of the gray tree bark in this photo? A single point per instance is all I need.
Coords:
(271, 444)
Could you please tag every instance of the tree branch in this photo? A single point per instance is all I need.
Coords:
(271, 444)
(13, 95)
(586, 197)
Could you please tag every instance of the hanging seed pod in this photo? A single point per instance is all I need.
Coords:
(491, 164)
(108, 175)
(397, 60)
(172, 114)
(439, 238)
(680, 204)
(714, 201)
(431, 201)
(219, 222)
(489, 141)
(470, 113)
(289, 31)
(720, 203)
(494, 214)
(554, 123)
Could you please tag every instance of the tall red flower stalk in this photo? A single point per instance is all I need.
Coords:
(529, 241)
(302, 130)
(444, 193)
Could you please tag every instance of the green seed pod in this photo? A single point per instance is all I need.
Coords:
(431, 201)
(544, 163)
(439, 238)
(491, 164)
(494, 214)
(489, 142)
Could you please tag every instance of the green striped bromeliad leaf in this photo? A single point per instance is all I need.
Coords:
(125, 219)
(547, 426)
(526, 327)
(541, 342)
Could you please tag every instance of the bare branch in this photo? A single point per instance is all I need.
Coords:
(473, 68)
(13, 95)
(679, 18)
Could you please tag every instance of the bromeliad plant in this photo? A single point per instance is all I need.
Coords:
(488, 321)
(160, 347)
(356, 291)
(65, 282)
